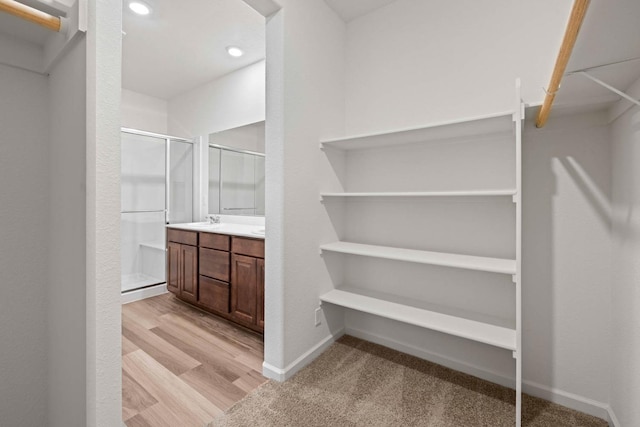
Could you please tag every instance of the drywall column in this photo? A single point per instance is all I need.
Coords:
(305, 87)
(24, 149)
(625, 298)
(103, 384)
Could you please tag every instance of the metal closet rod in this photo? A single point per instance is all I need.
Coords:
(576, 19)
(31, 14)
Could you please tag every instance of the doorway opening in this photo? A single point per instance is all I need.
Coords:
(192, 224)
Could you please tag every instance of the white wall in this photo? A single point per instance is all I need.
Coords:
(144, 112)
(249, 137)
(566, 251)
(306, 50)
(24, 173)
(625, 340)
(230, 101)
(66, 291)
(416, 62)
(567, 255)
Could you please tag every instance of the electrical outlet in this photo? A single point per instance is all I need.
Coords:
(318, 316)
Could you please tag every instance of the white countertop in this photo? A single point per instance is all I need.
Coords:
(244, 230)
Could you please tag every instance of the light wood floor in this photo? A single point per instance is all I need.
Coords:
(181, 366)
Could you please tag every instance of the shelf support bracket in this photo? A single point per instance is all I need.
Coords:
(515, 354)
(607, 86)
(514, 278)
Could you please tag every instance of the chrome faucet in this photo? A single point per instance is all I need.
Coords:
(213, 219)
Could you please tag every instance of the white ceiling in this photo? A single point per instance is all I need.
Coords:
(610, 33)
(182, 44)
(349, 10)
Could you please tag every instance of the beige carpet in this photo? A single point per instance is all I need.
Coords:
(357, 383)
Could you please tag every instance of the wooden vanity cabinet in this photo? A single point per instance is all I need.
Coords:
(182, 264)
(218, 273)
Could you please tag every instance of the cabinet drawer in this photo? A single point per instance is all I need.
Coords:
(250, 247)
(214, 294)
(181, 236)
(214, 264)
(214, 241)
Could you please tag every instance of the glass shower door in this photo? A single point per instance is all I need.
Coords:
(143, 210)
(180, 182)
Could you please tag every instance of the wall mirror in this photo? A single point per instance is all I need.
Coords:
(236, 171)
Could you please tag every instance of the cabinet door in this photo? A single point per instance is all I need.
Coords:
(173, 267)
(244, 289)
(260, 316)
(189, 282)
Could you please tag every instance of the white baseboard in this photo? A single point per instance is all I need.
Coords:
(578, 403)
(613, 420)
(278, 374)
(570, 400)
(140, 294)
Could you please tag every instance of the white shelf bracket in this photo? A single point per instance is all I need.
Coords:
(514, 198)
(514, 278)
(515, 354)
(75, 26)
(607, 86)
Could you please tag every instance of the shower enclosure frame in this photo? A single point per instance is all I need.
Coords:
(167, 185)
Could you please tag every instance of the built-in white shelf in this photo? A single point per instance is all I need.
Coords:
(469, 262)
(487, 333)
(474, 193)
(469, 127)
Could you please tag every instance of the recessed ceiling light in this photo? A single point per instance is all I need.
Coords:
(139, 8)
(234, 51)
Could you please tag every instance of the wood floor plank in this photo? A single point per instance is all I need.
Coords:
(250, 381)
(172, 393)
(201, 335)
(181, 366)
(135, 398)
(222, 392)
(224, 329)
(159, 416)
(137, 421)
(128, 346)
(171, 357)
(132, 313)
(250, 360)
(206, 353)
